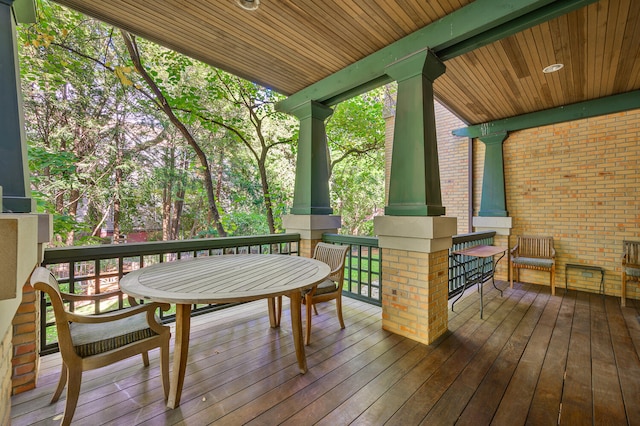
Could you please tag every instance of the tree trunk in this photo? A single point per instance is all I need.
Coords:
(116, 191)
(74, 194)
(267, 195)
(167, 192)
(163, 105)
(178, 203)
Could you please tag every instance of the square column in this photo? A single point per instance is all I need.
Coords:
(311, 227)
(415, 273)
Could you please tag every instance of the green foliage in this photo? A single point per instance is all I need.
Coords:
(97, 139)
(355, 133)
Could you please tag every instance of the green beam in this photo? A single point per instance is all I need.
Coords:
(593, 108)
(531, 19)
(25, 11)
(464, 24)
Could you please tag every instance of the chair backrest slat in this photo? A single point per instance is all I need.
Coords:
(632, 252)
(334, 256)
(529, 246)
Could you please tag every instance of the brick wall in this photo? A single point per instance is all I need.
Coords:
(580, 183)
(25, 343)
(453, 158)
(5, 386)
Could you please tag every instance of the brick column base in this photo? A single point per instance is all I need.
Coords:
(25, 341)
(5, 385)
(415, 292)
(415, 274)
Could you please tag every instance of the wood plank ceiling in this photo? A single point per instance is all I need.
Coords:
(288, 45)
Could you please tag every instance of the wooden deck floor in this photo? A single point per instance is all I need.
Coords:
(534, 359)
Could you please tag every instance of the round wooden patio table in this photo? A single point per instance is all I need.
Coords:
(224, 279)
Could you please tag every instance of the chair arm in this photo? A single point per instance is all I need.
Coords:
(553, 253)
(514, 250)
(84, 297)
(116, 315)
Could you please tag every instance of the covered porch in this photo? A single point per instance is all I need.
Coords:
(472, 369)
(534, 359)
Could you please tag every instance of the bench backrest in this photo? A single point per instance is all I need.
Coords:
(529, 246)
(632, 252)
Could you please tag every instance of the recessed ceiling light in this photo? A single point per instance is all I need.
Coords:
(553, 68)
(248, 4)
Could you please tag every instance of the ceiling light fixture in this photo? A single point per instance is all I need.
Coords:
(553, 68)
(248, 4)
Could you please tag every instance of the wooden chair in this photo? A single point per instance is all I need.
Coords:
(88, 342)
(330, 289)
(531, 252)
(630, 267)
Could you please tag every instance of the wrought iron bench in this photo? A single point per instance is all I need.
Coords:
(531, 252)
(630, 267)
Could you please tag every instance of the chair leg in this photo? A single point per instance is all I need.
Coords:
(511, 274)
(145, 358)
(61, 383)
(315, 309)
(307, 337)
(623, 290)
(164, 368)
(553, 281)
(339, 309)
(74, 379)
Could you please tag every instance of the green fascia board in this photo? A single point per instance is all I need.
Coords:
(24, 11)
(592, 108)
(458, 26)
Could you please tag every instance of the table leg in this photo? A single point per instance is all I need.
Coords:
(180, 354)
(275, 307)
(296, 326)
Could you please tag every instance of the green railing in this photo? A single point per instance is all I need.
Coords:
(363, 267)
(456, 269)
(98, 269)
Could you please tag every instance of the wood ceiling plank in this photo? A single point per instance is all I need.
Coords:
(547, 82)
(502, 62)
(530, 83)
(631, 47)
(349, 27)
(392, 11)
(611, 56)
(390, 28)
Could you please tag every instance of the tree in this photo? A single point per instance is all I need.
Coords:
(355, 134)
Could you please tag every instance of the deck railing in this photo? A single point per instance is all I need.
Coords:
(98, 269)
(363, 267)
(456, 269)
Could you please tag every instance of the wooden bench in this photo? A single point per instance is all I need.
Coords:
(531, 252)
(630, 266)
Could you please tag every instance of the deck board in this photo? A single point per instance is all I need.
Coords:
(508, 368)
